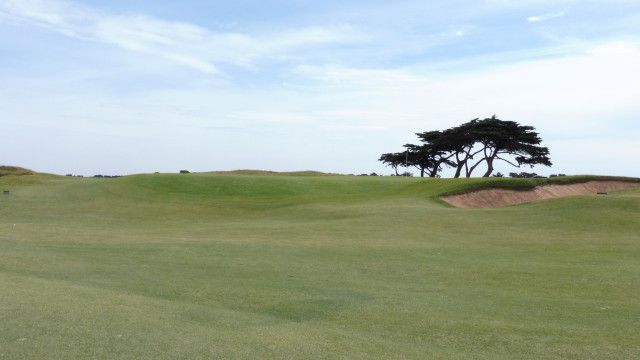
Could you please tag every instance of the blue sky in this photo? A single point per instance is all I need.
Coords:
(121, 87)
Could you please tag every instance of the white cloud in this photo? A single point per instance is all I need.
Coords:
(37, 12)
(595, 156)
(324, 109)
(180, 42)
(579, 96)
(546, 16)
(270, 117)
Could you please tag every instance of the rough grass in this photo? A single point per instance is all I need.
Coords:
(14, 170)
(200, 266)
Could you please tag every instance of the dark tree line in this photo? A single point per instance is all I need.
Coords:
(470, 145)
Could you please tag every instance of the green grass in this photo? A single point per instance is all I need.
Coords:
(468, 185)
(14, 170)
(235, 266)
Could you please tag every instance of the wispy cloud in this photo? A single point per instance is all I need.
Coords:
(602, 80)
(183, 43)
(546, 16)
(361, 85)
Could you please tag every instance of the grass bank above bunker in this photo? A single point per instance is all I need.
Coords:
(503, 192)
(489, 198)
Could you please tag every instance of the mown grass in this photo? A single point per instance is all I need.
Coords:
(200, 266)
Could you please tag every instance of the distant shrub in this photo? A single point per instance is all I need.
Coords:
(525, 175)
(184, 171)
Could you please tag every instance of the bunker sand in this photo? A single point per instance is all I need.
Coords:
(489, 198)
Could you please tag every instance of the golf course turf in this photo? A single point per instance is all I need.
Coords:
(235, 266)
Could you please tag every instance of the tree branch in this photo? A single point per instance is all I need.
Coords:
(507, 161)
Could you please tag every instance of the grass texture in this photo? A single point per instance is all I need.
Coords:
(233, 266)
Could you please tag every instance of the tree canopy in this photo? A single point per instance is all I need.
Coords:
(470, 145)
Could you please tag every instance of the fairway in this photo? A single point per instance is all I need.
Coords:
(230, 266)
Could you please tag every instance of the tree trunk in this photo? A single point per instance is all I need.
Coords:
(489, 167)
(459, 165)
(458, 170)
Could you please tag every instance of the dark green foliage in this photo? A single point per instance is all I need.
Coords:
(524, 175)
(465, 147)
(498, 138)
(394, 160)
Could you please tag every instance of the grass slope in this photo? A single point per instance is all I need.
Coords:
(200, 266)
(14, 170)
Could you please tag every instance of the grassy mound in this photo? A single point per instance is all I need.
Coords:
(271, 173)
(14, 170)
(165, 266)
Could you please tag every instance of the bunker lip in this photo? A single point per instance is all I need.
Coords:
(489, 198)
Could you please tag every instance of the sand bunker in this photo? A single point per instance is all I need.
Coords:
(500, 197)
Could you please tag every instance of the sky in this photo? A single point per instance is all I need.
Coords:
(120, 87)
